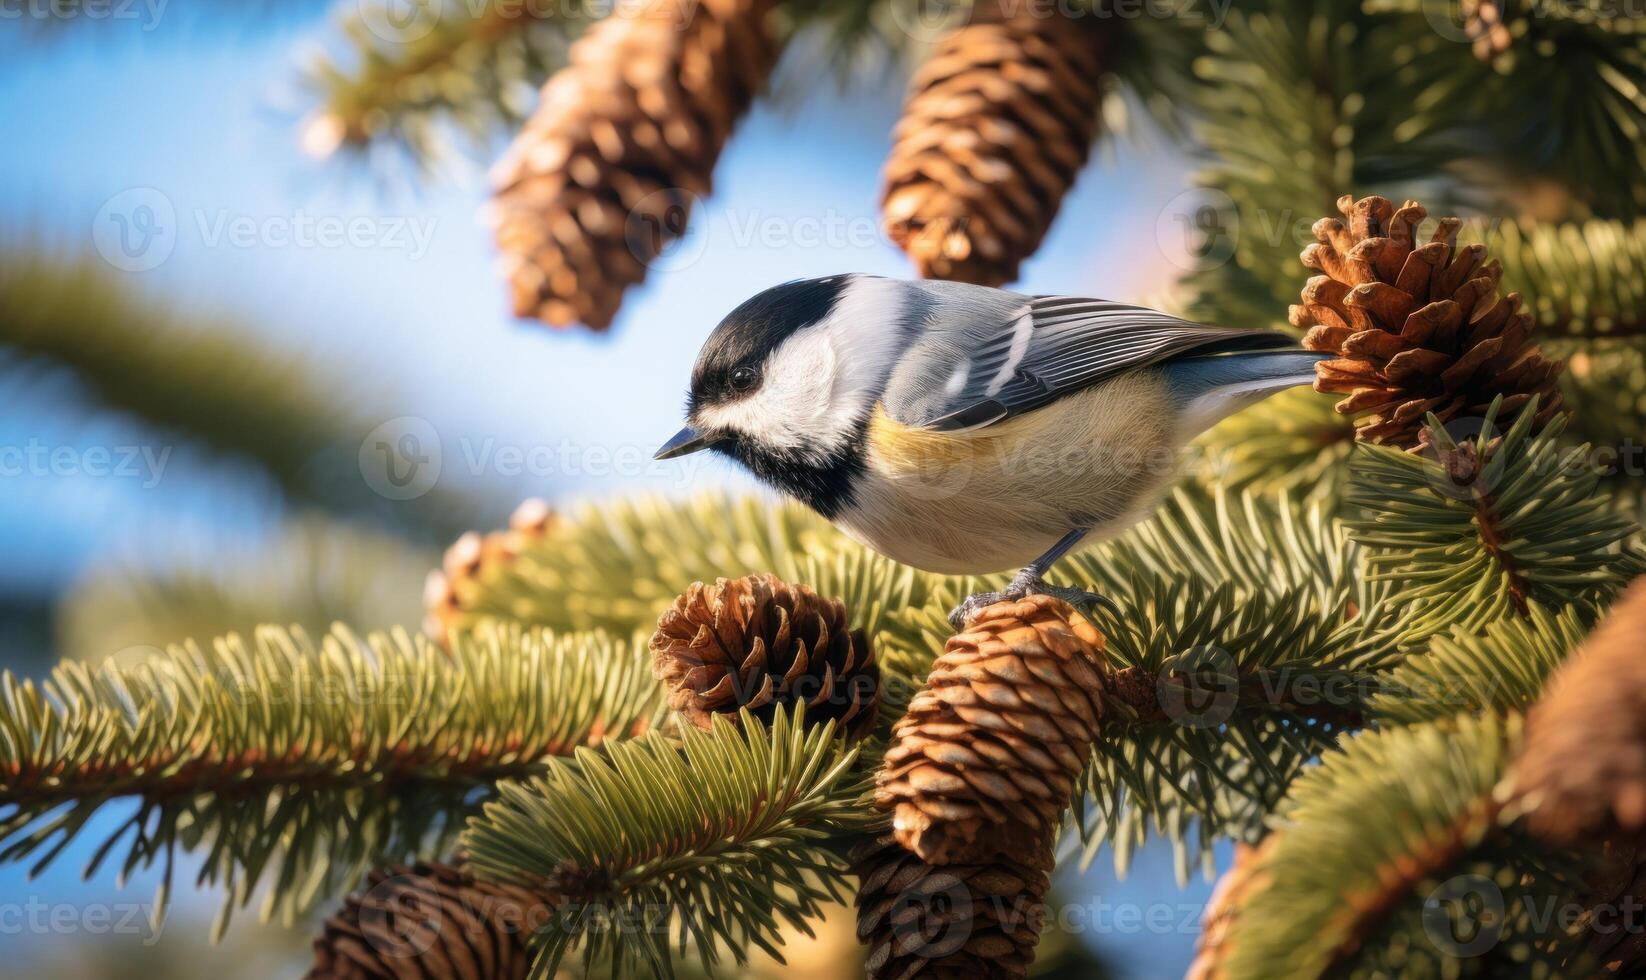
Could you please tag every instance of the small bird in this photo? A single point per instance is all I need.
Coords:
(964, 429)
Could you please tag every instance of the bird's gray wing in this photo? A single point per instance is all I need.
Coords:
(988, 363)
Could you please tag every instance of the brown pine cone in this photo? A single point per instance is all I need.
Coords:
(1582, 772)
(960, 921)
(432, 921)
(997, 125)
(447, 591)
(757, 642)
(1234, 887)
(626, 136)
(984, 761)
(1418, 327)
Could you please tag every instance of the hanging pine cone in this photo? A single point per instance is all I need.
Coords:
(1418, 327)
(997, 125)
(1234, 887)
(1582, 773)
(757, 642)
(983, 763)
(434, 921)
(603, 176)
(447, 592)
(960, 921)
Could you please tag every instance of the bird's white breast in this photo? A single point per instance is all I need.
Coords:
(995, 498)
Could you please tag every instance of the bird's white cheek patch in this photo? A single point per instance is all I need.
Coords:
(794, 408)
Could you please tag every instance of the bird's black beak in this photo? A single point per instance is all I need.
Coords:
(687, 440)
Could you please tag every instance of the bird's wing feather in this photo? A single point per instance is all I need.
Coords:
(977, 370)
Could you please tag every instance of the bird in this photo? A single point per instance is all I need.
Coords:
(964, 429)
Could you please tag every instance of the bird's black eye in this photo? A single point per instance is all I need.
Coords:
(744, 378)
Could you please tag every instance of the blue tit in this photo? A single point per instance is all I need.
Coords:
(964, 429)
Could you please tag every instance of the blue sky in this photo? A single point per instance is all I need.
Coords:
(208, 121)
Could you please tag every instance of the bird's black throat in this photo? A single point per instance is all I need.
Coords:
(824, 485)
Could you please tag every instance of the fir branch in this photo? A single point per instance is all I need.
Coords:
(720, 837)
(1485, 528)
(1368, 845)
(300, 764)
(1580, 279)
(447, 66)
(1501, 669)
(1296, 72)
(618, 565)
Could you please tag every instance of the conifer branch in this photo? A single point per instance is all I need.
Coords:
(1487, 526)
(721, 836)
(1396, 824)
(1580, 279)
(296, 763)
(1502, 668)
(444, 66)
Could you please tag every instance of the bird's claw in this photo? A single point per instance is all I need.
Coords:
(1022, 586)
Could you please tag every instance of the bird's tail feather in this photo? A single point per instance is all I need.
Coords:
(1207, 390)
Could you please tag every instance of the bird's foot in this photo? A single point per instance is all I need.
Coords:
(1026, 583)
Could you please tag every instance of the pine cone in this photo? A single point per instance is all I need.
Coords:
(1614, 918)
(1418, 327)
(997, 125)
(447, 592)
(758, 642)
(433, 921)
(1582, 773)
(984, 761)
(960, 921)
(603, 176)
(1234, 888)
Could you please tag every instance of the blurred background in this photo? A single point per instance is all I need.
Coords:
(212, 322)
